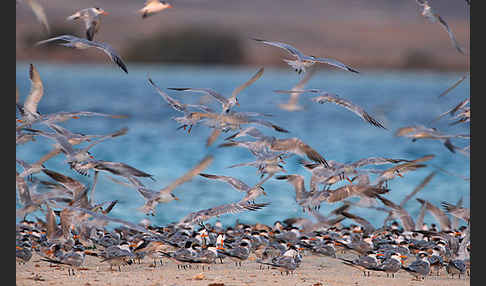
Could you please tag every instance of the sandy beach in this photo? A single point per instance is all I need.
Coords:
(313, 271)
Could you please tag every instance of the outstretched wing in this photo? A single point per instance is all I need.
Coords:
(191, 173)
(334, 63)
(293, 51)
(39, 13)
(208, 91)
(249, 82)
(451, 35)
(328, 97)
(203, 215)
(36, 91)
(234, 182)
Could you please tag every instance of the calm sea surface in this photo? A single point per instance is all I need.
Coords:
(154, 145)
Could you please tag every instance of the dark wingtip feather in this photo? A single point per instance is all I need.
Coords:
(282, 177)
(178, 88)
(280, 129)
(120, 63)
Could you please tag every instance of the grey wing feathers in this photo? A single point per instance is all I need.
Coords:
(208, 91)
(233, 208)
(335, 63)
(188, 176)
(112, 54)
(36, 91)
(284, 46)
(454, 85)
(348, 105)
(172, 102)
(40, 14)
(451, 35)
(438, 214)
(235, 183)
(249, 82)
(418, 188)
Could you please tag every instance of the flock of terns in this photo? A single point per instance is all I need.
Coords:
(82, 223)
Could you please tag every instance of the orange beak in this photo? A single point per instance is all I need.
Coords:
(400, 175)
(204, 235)
(75, 117)
(403, 257)
(337, 243)
(19, 120)
(312, 238)
(380, 254)
(105, 13)
(18, 247)
(220, 247)
(176, 198)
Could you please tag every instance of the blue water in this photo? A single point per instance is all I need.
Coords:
(152, 144)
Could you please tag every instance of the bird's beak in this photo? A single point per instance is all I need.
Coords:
(264, 193)
(105, 13)
(176, 198)
(380, 254)
(169, 6)
(400, 175)
(403, 257)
